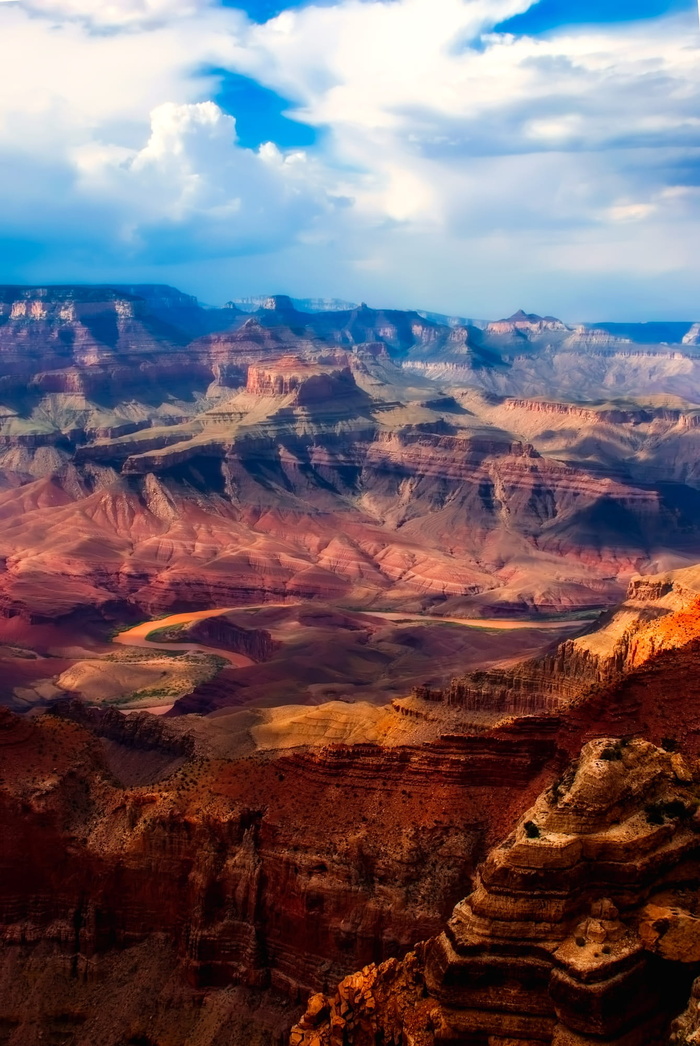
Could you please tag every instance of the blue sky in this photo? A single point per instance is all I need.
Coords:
(467, 156)
(550, 15)
(547, 14)
(260, 113)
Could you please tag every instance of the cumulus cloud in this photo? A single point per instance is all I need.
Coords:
(189, 193)
(454, 162)
(568, 150)
(192, 192)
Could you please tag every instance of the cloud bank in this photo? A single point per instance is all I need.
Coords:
(457, 168)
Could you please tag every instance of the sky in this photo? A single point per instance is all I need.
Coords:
(463, 156)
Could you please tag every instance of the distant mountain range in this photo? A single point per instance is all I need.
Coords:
(174, 305)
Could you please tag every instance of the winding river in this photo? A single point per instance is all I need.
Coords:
(137, 636)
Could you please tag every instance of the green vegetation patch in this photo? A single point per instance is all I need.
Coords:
(166, 634)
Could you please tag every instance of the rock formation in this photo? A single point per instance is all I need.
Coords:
(661, 612)
(580, 929)
(221, 631)
(526, 324)
(277, 872)
(297, 850)
(271, 836)
(289, 455)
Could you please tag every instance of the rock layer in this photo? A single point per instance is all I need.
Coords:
(283, 871)
(557, 943)
(290, 456)
(291, 868)
(661, 612)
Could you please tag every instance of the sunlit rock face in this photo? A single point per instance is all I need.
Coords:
(275, 870)
(580, 929)
(190, 880)
(661, 613)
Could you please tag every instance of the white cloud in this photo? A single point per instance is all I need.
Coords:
(191, 191)
(117, 13)
(451, 156)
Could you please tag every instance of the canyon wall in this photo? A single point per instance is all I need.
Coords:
(661, 612)
(275, 873)
(580, 929)
(288, 869)
(292, 455)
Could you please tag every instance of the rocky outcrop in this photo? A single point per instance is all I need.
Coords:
(564, 939)
(606, 415)
(287, 870)
(86, 326)
(291, 868)
(140, 730)
(685, 1029)
(546, 361)
(222, 632)
(661, 612)
(303, 382)
(526, 324)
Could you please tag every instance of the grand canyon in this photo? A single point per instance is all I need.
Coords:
(349, 675)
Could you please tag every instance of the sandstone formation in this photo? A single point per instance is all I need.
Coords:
(295, 456)
(297, 653)
(201, 874)
(661, 612)
(578, 929)
(277, 872)
(221, 631)
(525, 324)
(297, 850)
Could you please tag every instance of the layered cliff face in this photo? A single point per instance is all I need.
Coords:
(526, 325)
(326, 489)
(535, 356)
(399, 331)
(66, 326)
(301, 844)
(271, 836)
(135, 841)
(221, 630)
(581, 927)
(266, 462)
(661, 613)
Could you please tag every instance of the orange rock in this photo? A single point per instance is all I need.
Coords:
(672, 933)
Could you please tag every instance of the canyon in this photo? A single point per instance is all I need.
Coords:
(299, 844)
(330, 460)
(417, 603)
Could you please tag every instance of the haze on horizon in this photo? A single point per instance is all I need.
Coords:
(469, 157)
